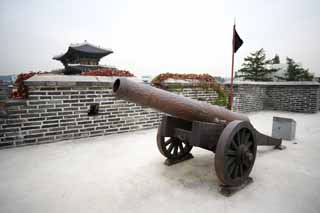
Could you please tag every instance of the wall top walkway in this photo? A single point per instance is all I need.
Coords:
(76, 80)
(80, 80)
(71, 80)
(286, 83)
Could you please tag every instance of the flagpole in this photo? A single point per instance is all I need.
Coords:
(232, 69)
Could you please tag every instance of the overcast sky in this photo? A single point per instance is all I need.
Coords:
(151, 37)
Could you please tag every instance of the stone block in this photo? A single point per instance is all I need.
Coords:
(284, 128)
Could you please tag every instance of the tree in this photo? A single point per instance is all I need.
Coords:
(295, 72)
(255, 67)
(275, 60)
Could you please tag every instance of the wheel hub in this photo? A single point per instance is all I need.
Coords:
(244, 156)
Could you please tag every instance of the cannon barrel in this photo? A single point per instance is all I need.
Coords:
(173, 104)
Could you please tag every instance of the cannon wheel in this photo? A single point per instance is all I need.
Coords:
(235, 153)
(172, 147)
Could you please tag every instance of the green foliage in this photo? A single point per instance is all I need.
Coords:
(223, 96)
(295, 72)
(254, 68)
(222, 99)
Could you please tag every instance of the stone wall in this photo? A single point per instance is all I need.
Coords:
(57, 109)
(284, 96)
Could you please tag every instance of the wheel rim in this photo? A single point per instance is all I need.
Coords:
(236, 152)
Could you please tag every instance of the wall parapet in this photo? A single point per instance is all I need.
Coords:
(300, 96)
(71, 80)
(272, 83)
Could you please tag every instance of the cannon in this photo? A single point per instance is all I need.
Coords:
(188, 122)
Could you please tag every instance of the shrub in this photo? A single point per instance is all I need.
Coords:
(108, 72)
(206, 81)
(21, 89)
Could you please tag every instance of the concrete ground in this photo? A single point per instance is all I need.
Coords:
(125, 173)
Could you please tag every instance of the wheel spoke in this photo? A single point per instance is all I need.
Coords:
(243, 135)
(232, 167)
(181, 148)
(230, 162)
(247, 163)
(234, 171)
(249, 144)
(168, 142)
(175, 150)
(170, 148)
(240, 170)
(231, 152)
(246, 138)
(238, 139)
(234, 144)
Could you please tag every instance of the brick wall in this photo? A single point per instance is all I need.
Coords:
(292, 98)
(248, 98)
(284, 96)
(5, 90)
(57, 109)
(319, 98)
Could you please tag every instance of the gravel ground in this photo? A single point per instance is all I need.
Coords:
(125, 173)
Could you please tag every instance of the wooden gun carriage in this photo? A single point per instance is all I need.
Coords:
(189, 123)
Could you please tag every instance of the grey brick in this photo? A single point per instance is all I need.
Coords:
(68, 124)
(54, 110)
(54, 93)
(36, 93)
(51, 122)
(70, 131)
(45, 97)
(33, 136)
(71, 101)
(57, 129)
(64, 88)
(54, 118)
(32, 124)
(45, 139)
(46, 106)
(53, 133)
(37, 102)
(65, 113)
(12, 125)
(30, 127)
(50, 125)
(48, 114)
(48, 88)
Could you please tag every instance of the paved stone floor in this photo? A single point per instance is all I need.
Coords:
(125, 173)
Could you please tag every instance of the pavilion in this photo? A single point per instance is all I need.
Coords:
(82, 57)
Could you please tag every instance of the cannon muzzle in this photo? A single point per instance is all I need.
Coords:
(173, 104)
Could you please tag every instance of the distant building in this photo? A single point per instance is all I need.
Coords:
(8, 78)
(82, 57)
(146, 78)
